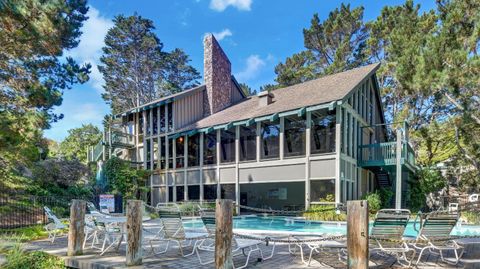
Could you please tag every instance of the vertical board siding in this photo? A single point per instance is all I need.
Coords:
(188, 109)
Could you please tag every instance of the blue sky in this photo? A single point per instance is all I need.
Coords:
(255, 34)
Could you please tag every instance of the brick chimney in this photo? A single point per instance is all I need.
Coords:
(217, 75)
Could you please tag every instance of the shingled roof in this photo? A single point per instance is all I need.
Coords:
(314, 92)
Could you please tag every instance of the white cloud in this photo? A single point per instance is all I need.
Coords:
(253, 65)
(221, 5)
(222, 34)
(89, 49)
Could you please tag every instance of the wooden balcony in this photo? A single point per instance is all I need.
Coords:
(385, 154)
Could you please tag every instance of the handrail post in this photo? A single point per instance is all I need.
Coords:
(398, 182)
(134, 232)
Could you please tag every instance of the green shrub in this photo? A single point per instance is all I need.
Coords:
(325, 212)
(471, 217)
(374, 201)
(125, 180)
(17, 258)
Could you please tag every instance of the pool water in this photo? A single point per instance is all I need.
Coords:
(283, 224)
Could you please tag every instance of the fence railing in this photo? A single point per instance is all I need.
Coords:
(18, 211)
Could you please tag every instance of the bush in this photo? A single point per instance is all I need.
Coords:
(427, 181)
(17, 258)
(63, 173)
(324, 212)
(374, 201)
(125, 180)
(471, 217)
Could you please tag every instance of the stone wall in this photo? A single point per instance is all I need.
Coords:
(217, 75)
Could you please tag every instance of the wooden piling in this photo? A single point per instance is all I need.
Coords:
(223, 234)
(76, 231)
(357, 234)
(134, 232)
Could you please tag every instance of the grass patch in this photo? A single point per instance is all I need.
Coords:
(17, 258)
(24, 234)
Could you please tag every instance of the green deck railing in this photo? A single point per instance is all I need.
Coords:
(122, 139)
(384, 154)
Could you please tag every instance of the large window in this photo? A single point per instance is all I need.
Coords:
(163, 160)
(180, 193)
(294, 136)
(248, 142)
(193, 192)
(323, 132)
(170, 117)
(210, 148)
(227, 142)
(270, 134)
(180, 150)
(322, 190)
(194, 150)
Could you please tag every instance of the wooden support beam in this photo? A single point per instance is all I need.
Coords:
(398, 178)
(357, 234)
(76, 231)
(223, 234)
(134, 232)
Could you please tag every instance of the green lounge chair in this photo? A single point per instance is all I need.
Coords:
(387, 234)
(434, 235)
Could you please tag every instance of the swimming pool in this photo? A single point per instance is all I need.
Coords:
(286, 225)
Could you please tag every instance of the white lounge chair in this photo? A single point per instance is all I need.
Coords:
(173, 231)
(315, 247)
(434, 234)
(239, 246)
(54, 226)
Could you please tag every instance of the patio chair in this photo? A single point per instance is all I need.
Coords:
(112, 232)
(54, 225)
(315, 247)
(173, 231)
(91, 231)
(238, 245)
(434, 234)
(390, 224)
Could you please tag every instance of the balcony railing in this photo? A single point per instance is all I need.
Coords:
(385, 154)
(122, 139)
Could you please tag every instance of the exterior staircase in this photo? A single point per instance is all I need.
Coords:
(383, 180)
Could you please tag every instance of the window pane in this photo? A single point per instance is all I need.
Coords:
(170, 194)
(269, 134)
(148, 122)
(323, 132)
(227, 142)
(210, 148)
(180, 150)
(155, 153)
(180, 193)
(149, 153)
(170, 153)
(210, 192)
(322, 190)
(248, 143)
(194, 193)
(155, 118)
(294, 136)
(162, 119)
(162, 153)
(170, 117)
(194, 150)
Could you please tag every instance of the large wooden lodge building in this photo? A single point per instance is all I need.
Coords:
(320, 141)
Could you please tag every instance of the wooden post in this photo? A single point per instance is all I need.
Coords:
(76, 231)
(357, 234)
(223, 234)
(134, 232)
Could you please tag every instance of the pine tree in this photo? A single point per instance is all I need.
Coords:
(136, 69)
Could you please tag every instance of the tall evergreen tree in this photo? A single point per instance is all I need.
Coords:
(75, 145)
(334, 45)
(135, 68)
(33, 74)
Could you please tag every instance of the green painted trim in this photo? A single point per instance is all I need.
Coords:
(192, 132)
(228, 126)
(274, 117)
(301, 111)
(262, 118)
(244, 122)
(317, 107)
(206, 130)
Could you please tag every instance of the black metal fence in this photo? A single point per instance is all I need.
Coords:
(24, 210)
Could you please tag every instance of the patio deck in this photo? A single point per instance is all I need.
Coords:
(281, 259)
